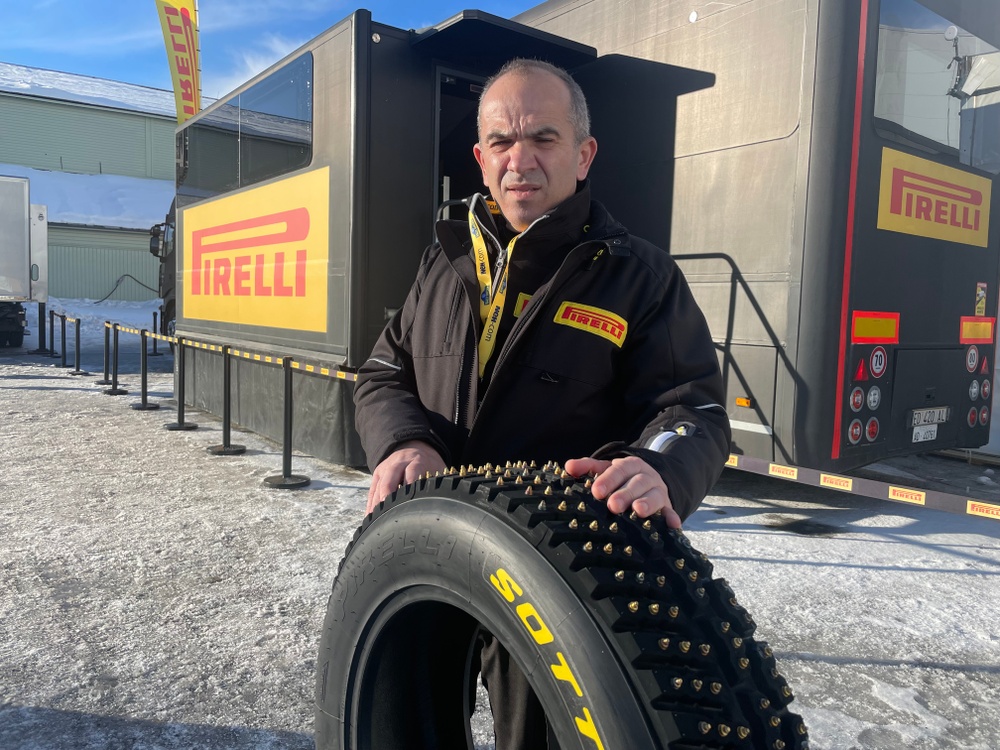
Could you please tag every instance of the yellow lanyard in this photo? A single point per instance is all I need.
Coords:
(491, 302)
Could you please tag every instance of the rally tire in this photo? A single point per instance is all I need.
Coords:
(623, 633)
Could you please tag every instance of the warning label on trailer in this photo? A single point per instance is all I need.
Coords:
(926, 199)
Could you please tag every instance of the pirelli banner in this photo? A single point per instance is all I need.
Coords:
(261, 257)
(927, 199)
(179, 21)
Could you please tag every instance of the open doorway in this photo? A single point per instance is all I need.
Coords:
(457, 174)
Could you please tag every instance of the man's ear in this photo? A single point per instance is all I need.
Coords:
(479, 160)
(588, 150)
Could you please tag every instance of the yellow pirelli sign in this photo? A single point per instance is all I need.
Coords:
(834, 482)
(784, 472)
(926, 199)
(261, 257)
(733, 460)
(907, 496)
(986, 510)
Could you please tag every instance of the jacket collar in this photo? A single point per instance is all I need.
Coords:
(576, 221)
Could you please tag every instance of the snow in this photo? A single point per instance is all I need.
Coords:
(97, 200)
(52, 84)
(155, 596)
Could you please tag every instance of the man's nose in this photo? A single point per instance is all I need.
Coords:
(521, 157)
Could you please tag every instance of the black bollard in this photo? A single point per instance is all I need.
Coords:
(42, 349)
(52, 336)
(62, 334)
(107, 355)
(156, 331)
(76, 355)
(180, 424)
(287, 480)
(114, 390)
(143, 405)
(226, 449)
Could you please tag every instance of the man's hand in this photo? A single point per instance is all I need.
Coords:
(625, 483)
(409, 462)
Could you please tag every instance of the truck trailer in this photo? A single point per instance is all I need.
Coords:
(822, 172)
(23, 258)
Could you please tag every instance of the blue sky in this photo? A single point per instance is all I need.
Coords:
(121, 39)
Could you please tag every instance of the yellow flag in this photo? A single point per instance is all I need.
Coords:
(179, 19)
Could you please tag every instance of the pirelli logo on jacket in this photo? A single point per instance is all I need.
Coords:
(603, 323)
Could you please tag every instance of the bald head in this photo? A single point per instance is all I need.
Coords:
(579, 114)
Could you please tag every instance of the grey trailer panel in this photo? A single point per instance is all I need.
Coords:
(15, 258)
(39, 271)
(334, 94)
(734, 41)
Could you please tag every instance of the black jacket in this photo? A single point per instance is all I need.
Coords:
(569, 378)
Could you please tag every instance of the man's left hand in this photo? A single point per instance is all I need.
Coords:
(625, 483)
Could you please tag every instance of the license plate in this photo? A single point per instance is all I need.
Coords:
(922, 417)
(925, 433)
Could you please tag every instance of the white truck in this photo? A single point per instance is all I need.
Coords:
(23, 258)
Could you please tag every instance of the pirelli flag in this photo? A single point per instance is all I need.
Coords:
(179, 19)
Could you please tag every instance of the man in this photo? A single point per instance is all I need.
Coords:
(545, 333)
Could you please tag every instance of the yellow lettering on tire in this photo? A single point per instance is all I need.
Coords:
(564, 673)
(587, 728)
(506, 585)
(541, 633)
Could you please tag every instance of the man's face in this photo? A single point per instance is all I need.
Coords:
(527, 148)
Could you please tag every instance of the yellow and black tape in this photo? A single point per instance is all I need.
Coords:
(929, 498)
(270, 359)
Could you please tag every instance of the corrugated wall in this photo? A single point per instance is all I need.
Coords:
(71, 138)
(88, 263)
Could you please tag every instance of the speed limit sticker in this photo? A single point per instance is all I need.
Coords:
(971, 358)
(878, 362)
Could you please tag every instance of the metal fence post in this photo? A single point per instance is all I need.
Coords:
(286, 480)
(226, 449)
(52, 336)
(114, 390)
(107, 355)
(143, 405)
(42, 349)
(156, 331)
(180, 424)
(62, 333)
(76, 354)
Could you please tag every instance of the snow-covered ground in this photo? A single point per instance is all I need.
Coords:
(154, 596)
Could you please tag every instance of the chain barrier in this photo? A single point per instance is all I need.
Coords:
(285, 480)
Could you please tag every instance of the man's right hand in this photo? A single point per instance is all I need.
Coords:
(409, 462)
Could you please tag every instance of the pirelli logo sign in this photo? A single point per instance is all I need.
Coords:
(904, 495)
(260, 257)
(926, 199)
(986, 510)
(834, 482)
(594, 320)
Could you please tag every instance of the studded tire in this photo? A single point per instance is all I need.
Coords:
(624, 635)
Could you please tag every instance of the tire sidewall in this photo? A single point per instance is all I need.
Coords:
(461, 553)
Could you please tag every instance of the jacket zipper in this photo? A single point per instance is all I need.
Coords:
(558, 280)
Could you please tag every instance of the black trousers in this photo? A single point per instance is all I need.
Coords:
(518, 718)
